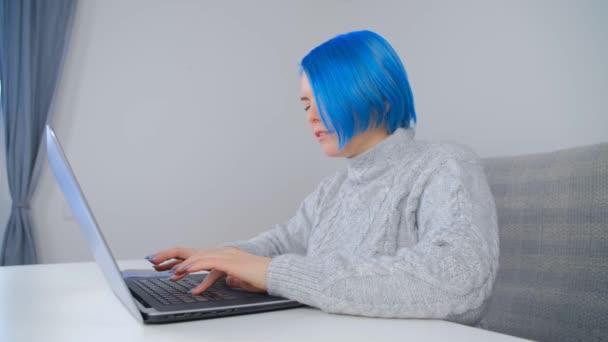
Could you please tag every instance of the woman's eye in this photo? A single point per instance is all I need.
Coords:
(307, 108)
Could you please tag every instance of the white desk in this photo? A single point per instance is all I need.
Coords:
(72, 302)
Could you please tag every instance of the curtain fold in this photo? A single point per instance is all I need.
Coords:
(33, 37)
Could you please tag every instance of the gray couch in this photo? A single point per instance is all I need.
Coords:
(552, 283)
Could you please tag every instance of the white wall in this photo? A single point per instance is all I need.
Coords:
(182, 120)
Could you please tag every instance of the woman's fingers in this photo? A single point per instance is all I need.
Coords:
(178, 277)
(249, 270)
(173, 253)
(233, 282)
(202, 261)
(192, 265)
(167, 265)
(209, 280)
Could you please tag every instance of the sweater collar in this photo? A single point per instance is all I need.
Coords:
(380, 156)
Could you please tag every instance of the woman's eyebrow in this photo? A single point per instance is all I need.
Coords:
(304, 98)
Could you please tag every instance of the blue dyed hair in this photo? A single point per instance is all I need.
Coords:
(359, 82)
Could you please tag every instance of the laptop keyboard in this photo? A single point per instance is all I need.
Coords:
(169, 292)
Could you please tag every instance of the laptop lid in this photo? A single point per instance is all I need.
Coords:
(88, 225)
(103, 256)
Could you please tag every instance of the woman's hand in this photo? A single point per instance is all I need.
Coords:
(244, 270)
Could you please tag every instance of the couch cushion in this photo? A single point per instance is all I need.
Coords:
(552, 283)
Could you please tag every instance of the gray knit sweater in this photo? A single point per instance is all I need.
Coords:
(407, 230)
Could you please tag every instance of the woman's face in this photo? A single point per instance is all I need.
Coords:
(329, 141)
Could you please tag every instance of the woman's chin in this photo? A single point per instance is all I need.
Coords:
(330, 147)
(331, 152)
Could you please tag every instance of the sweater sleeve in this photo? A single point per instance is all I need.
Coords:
(447, 274)
(289, 237)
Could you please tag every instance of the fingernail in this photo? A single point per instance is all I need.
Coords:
(173, 269)
(150, 257)
(186, 268)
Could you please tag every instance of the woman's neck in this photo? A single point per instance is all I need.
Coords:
(366, 140)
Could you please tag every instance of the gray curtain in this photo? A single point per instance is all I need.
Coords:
(33, 36)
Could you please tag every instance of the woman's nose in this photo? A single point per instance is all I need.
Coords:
(313, 117)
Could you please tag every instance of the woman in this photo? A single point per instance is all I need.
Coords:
(408, 229)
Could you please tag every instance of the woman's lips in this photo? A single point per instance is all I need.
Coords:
(321, 135)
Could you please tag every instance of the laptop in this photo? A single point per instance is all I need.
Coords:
(149, 295)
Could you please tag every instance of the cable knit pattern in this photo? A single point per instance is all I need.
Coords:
(407, 230)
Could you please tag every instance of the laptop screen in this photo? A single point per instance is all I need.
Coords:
(88, 226)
